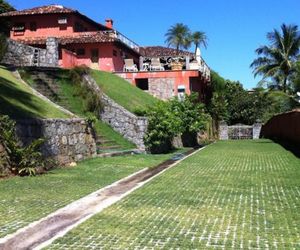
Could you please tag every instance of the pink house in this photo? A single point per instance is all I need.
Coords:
(83, 41)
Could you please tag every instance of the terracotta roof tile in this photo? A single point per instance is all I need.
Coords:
(158, 51)
(49, 9)
(83, 37)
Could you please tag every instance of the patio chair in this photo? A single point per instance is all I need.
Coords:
(129, 66)
(156, 65)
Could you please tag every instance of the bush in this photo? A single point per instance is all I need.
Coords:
(169, 119)
(163, 125)
(92, 101)
(22, 160)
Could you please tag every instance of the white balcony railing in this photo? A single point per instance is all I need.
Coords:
(123, 39)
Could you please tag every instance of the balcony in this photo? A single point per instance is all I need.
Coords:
(123, 39)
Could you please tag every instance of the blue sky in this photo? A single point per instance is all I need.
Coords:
(235, 28)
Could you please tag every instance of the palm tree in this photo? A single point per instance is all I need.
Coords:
(178, 36)
(277, 61)
(199, 38)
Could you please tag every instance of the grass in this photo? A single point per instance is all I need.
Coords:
(18, 101)
(122, 92)
(231, 195)
(24, 200)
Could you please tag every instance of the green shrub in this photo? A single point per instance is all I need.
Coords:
(163, 125)
(22, 160)
(92, 101)
(175, 117)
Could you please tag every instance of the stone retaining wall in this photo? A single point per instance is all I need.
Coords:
(19, 54)
(67, 140)
(161, 88)
(121, 120)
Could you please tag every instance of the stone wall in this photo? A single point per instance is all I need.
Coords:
(223, 131)
(284, 127)
(239, 131)
(19, 54)
(121, 120)
(67, 140)
(161, 88)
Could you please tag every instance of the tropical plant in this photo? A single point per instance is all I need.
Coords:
(178, 36)
(22, 160)
(199, 38)
(277, 61)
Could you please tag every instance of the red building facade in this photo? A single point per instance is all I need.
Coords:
(83, 41)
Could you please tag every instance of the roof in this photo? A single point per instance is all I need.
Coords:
(159, 51)
(83, 37)
(51, 9)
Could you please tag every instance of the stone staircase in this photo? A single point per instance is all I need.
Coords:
(45, 82)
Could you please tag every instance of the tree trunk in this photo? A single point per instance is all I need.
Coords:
(284, 84)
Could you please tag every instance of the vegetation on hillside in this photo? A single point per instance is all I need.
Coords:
(18, 101)
(80, 101)
(128, 96)
(233, 104)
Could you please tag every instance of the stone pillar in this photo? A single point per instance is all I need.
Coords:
(256, 130)
(52, 56)
(223, 131)
(187, 62)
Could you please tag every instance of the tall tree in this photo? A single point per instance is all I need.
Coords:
(4, 7)
(277, 61)
(178, 36)
(199, 38)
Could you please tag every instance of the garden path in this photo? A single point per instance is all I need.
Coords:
(43, 232)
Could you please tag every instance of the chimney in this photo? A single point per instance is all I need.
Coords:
(109, 23)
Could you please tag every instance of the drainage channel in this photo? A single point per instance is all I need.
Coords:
(41, 233)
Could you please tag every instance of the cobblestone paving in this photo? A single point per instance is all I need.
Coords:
(231, 195)
(24, 200)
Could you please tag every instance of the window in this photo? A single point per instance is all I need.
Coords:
(33, 26)
(18, 29)
(80, 52)
(142, 83)
(62, 20)
(115, 53)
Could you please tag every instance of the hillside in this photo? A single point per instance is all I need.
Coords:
(57, 85)
(123, 93)
(18, 101)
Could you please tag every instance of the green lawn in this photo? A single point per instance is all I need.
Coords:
(24, 200)
(122, 92)
(18, 101)
(231, 195)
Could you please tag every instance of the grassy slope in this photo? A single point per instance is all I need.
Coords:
(125, 94)
(24, 200)
(18, 101)
(231, 195)
(76, 105)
